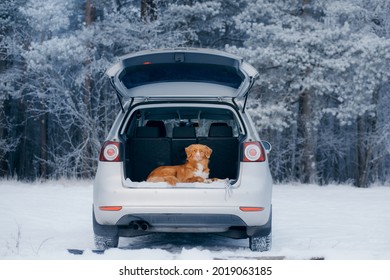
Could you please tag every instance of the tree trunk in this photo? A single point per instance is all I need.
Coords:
(148, 10)
(90, 13)
(3, 150)
(90, 17)
(306, 139)
(305, 130)
(362, 153)
(367, 144)
(43, 145)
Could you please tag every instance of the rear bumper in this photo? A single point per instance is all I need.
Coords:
(184, 207)
(184, 220)
(196, 223)
(189, 216)
(223, 224)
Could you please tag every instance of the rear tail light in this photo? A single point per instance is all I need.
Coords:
(110, 208)
(110, 152)
(251, 209)
(253, 152)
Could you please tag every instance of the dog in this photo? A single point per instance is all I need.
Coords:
(194, 170)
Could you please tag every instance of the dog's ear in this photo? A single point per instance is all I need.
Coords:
(208, 152)
(188, 151)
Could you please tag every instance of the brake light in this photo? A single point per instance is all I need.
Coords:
(251, 209)
(110, 208)
(253, 152)
(110, 152)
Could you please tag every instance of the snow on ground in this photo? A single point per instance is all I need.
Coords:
(41, 221)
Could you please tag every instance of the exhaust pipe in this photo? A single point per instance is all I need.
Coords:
(144, 226)
(134, 225)
(137, 225)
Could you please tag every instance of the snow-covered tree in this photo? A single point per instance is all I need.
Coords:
(67, 91)
(12, 34)
(209, 23)
(313, 61)
(321, 98)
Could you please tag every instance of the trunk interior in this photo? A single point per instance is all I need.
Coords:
(159, 136)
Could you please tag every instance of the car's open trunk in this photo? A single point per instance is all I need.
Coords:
(158, 136)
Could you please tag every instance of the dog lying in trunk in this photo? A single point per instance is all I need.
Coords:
(194, 170)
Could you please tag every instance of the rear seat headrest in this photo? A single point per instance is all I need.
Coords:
(147, 132)
(220, 130)
(160, 125)
(184, 132)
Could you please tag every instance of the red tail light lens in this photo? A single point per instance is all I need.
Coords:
(110, 152)
(251, 209)
(253, 152)
(110, 208)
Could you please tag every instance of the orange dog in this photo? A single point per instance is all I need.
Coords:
(194, 170)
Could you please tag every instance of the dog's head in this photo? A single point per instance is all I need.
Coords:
(198, 152)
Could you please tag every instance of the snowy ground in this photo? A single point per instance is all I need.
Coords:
(41, 221)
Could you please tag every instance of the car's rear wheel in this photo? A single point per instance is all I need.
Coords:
(260, 243)
(106, 242)
(105, 236)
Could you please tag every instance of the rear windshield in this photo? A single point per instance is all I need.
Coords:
(139, 75)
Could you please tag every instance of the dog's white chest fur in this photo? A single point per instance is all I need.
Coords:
(200, 173)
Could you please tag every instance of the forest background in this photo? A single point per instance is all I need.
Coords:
(322, 98)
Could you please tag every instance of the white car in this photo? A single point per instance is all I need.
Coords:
(171, 99)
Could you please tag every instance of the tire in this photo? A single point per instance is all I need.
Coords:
(260, 243)
(106, 242)
(105, 236)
